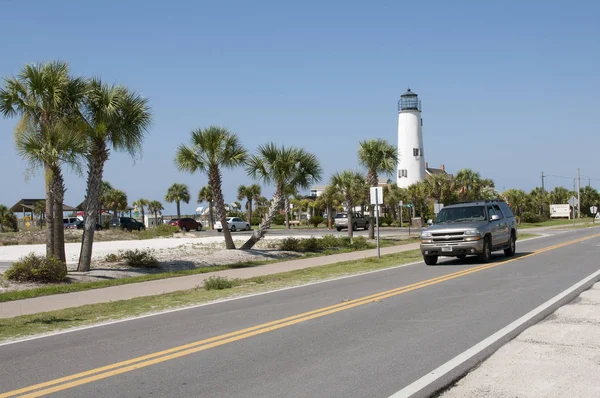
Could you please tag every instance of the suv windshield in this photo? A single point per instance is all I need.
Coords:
(461, 214)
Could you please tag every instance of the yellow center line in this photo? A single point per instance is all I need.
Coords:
(191, 348)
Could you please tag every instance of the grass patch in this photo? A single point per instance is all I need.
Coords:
(89, 314)
(554, 223)
(220, 283)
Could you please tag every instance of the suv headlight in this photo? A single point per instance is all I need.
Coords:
(472, 232)
(425, 234)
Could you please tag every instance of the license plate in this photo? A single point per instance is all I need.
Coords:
(446, 249)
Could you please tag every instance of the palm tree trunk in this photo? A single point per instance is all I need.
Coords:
(265, 224)
(178, 209)
(91, 205)
(249, 211)
(211, 222)
(350, 226)
(49, 212)
(214, 180)
(58, 188)
(329, 216)
(287, 212)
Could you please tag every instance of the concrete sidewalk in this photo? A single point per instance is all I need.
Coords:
(11, 309)
(558, 357)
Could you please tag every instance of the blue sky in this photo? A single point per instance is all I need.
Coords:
(509, 88)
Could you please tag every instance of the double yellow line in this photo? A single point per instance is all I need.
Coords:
(104, 372)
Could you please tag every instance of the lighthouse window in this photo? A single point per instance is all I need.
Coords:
(417, 151)
(402, 173)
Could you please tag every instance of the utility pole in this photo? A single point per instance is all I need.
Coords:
(578, 193)
(543, 194)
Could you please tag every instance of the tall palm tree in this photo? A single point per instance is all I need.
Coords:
(178, 193)
(439, 187)
(394, 197)
(142, 204)
(112, 117)
(250, 193)
(351, 185)
(116, 201)
(287, 168)
(206, 195)
(210, 150)
(417, 194)
(330, 199)
(155, 208)
(470, 184)
(44, 96)
(379, 157)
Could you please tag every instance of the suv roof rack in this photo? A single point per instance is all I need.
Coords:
(478, 201)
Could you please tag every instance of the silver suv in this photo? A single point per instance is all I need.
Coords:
(470, 228)
(358, 221)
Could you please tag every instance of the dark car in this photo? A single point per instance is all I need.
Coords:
(79, 225)
(186, 224)
(126, 224)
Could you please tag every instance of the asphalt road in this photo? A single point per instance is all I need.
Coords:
(370, 348)
(4, 266)
(384, 231)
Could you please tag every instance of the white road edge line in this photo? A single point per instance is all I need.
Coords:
(435, 375)
(41, 336)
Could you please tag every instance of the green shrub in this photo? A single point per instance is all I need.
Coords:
(112, 258)
(316, 220)
(331, 242)
(360, 242)
(161, 230)
(386, 221)
(256, 220)
(279, 219)
(290, 245)
(220, 283)
(311, 244)
(139, 258)
(529, 217)
(34, 268)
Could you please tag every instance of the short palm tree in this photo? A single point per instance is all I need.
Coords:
(379, 157)
(516, 199)
(285, 168)
(155, 208)
(250, 193)
(39, 208)
(178, 193)
(45, 96)
(439, 187)
(206, 195)
(330, 199)
(112, 117)
(142, 204)
(4, 217)
(469, 184)
(210, 150)
(116, 201)
(350, 184)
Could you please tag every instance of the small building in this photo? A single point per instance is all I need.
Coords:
(25, 207)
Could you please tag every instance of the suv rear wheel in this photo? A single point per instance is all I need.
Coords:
(430, 260)
(512, 246)
(486, 255)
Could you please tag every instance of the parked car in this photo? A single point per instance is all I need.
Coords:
(126, 224)
(70, 220)
(79, 225)
(358, 221)
(470, 228)
(186, 224)
(235, 224)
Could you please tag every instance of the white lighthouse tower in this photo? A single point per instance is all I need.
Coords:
(411, 164)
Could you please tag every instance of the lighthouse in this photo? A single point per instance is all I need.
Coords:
(411, 164)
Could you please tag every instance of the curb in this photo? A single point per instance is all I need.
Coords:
(438, 380)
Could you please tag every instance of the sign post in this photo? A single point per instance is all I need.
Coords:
(377, 199)
(573, 202)
(401, 213)
(594, 212)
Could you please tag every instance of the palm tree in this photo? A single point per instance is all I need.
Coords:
(417, 194)
(468, 184)
(116, 201)
(287, 168)
(378, 157)
(209, 150)
(330, 198)
(394, 197)
(44, 96)
(39, 208)
(112, 117)
(560, 195)
(178, 193)
(350, 184)
(206, 195)
(141, 204)
(517, 199)
(4, 217)
(439, 187)
(250, 193)
(155, 208)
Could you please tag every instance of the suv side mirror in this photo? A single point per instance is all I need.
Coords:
(495, 217)
(430, 222)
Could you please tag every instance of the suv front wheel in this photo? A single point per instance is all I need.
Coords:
(486, 255)
(430, 260)
(512, 248)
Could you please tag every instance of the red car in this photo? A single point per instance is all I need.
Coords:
(186, 224)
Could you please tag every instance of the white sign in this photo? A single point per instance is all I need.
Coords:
(376, 195)
(437, 207)
(573, 201)
(560, 211)
(593, 209)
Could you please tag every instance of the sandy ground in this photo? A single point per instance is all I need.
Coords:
(177, 253)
